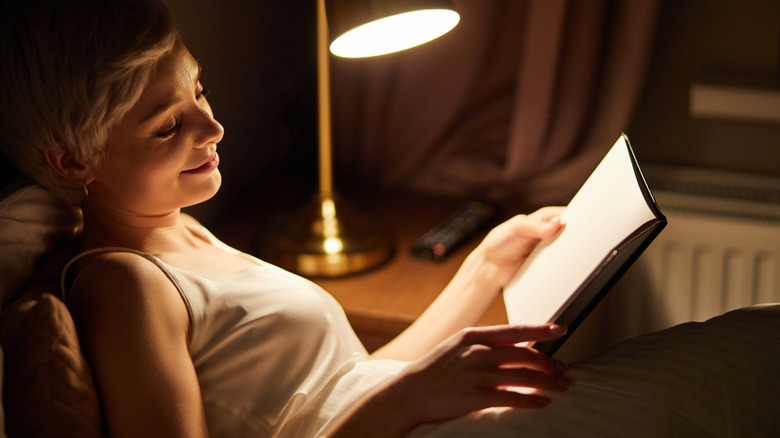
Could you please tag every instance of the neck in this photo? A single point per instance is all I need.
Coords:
(156, 233)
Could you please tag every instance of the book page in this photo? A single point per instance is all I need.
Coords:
(607, 209)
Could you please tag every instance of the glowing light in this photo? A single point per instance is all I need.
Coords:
(333, 245)
(395, 33)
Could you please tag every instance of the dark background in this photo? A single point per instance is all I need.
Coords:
(259, 62)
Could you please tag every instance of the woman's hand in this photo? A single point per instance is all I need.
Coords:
(472, 370)
(508, 245)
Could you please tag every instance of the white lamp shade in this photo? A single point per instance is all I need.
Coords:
(395, 33)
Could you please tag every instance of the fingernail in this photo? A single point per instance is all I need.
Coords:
(557, 329)
(560, 367)
(564, 382)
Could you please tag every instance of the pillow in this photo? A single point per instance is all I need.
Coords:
(48, 389)
(32, 223)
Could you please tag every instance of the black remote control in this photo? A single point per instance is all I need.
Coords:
(446, 236)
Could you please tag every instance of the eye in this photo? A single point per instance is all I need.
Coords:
(170, 132)
(204, 91)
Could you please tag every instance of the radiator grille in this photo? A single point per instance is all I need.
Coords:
(720, 251)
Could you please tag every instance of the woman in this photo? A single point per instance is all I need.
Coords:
(188, 337)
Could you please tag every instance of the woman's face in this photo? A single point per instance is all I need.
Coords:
(162, 155)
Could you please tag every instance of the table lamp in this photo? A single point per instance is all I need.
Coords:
(329, 237)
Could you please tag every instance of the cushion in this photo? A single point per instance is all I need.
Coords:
(48, 389)
(32, 223)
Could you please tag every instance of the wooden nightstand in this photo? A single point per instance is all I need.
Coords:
(381, 302)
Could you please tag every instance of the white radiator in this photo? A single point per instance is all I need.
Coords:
(720, 251)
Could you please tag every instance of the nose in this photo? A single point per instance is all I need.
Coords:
(210, 131)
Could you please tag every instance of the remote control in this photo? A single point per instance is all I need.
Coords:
(446, 236)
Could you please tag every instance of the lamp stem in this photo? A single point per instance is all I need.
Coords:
(323, 95)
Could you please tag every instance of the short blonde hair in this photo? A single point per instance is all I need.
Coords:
(70, 70)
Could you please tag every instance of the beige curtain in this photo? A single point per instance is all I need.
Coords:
(518, 103)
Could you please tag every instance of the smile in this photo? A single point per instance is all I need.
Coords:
(207, 166)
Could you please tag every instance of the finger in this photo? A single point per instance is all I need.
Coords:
(535, 227)
(511, 399)
(552, 216)
(514, 357)
(512, 334)
(548, 213)
(523, 377)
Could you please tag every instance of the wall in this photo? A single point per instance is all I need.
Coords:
(258, 61)
(710, 40)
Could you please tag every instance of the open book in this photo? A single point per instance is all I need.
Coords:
(608, 223)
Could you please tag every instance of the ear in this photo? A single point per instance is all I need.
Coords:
(67, 166)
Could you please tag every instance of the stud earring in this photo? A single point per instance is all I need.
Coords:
(84, 188)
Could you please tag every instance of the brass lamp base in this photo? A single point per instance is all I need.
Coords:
(327, 238)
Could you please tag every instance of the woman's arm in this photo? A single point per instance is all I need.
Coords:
(476, 284)
(134, 328)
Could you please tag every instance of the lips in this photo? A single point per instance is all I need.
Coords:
(205, 167)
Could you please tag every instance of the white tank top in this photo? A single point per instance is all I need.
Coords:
(273, 352)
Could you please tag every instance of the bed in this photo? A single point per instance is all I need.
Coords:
(714, 378)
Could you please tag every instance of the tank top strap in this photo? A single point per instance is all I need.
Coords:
(159, 263)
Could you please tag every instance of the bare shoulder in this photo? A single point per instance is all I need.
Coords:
(115, 271)
(122, 286)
